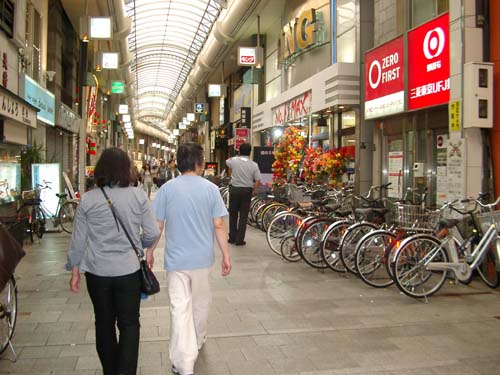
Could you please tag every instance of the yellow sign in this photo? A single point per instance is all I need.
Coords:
(298, 35)
(455, 119)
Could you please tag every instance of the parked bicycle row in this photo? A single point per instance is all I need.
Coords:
(381, 241)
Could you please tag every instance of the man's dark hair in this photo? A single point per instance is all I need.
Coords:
(245, 149)
(113, 168)
(189, 155)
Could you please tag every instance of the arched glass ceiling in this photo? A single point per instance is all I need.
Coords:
(166, 38)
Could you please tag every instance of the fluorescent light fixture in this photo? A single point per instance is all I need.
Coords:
(110, 60)
(190, 117)
(100, 27)
(126, 118)
(141, 141)
(123, 109)
(176, 132)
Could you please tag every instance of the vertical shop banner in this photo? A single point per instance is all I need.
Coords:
(455, 115)
(384, 79)
(429, 64)
(240, 137)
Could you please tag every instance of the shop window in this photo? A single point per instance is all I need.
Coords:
(10, 173)
(425, 10)
(33, 41)
(7, 17)
(347, 35)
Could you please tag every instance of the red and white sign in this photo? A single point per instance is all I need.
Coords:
(384, 79)
(240, 137)
(429, 64)
(247, 56)
(294, 109)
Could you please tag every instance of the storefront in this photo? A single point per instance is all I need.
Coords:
(65, 135)
(411, 118)
(16, 117)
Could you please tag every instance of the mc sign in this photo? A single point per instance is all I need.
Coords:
(429, 64)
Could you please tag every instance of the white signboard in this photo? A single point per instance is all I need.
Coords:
(17, 110)
(441, 169)
(455, 169)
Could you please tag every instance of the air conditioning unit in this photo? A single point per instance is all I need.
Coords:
(478, 95)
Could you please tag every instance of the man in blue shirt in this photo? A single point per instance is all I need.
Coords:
(192, 210)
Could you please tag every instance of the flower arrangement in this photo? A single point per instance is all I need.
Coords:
(287, 154)
(331, 165)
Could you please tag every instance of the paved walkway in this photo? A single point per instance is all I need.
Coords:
(269, 317)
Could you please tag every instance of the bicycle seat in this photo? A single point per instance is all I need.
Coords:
(363, 211)
(332, 207)
(448, 223)
(63, 195)
(344, 213)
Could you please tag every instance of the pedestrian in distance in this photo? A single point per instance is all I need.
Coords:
(161, 174)
(172, 171)
(100, 249)
(191, 210)
(147, 179)
(245, 179)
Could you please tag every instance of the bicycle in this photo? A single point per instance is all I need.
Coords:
(422, 262)
(8, 315)
(37, 212)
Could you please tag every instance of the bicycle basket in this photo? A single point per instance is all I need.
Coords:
(297, 195)
(409, 216)
(486, 219)
(29, 194)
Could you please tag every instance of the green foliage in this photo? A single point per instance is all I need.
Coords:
(31, 154)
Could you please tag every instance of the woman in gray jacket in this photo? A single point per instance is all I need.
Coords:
(100, 249)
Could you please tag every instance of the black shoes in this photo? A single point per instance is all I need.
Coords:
(242, 243)
(230, 241)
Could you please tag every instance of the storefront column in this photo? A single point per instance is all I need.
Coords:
(495, 58)
(364, 133)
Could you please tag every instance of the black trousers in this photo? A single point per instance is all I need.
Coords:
(116, 302)
(239, 206)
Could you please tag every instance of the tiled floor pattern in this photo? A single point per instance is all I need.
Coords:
(269, 317)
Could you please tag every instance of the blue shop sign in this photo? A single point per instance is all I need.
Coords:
(40, 98)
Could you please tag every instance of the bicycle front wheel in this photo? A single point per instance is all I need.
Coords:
(282, 226)
(8, 313)
(67, 215)
(410, 266)
(488, 268)
(38, 221)
(349, 241)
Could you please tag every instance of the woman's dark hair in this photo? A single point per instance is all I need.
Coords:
(113, 168)
(189, 155)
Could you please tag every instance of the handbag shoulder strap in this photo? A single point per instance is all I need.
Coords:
(117, 218)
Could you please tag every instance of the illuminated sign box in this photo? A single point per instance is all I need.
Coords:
(250, 56)
(123, 109)
(215, 91)
(110, 60)
(190, 116)
(100, 28)
(429, 70)
(200, 107)
(176, 131)
(117, 87)
(126, 118)
(384, 79)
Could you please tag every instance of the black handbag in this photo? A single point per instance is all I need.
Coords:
(149, 282)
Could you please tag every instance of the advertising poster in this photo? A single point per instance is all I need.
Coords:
(455, 164)
(47, 175)
(441, 169)
(429, 70)
(384, 79)
(395, 174)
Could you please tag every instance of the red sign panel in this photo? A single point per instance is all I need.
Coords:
(429, 64)
(384, 79)
(241, 136)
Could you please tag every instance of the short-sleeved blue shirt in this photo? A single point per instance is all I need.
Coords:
(188, 205)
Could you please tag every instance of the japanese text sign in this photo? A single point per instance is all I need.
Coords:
(384, 79)
(241, 136)
(429, 64)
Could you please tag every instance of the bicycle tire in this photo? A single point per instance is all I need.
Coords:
(8, 313)
(410, 273)
(282, 226)
(330, 250)
(308, 242)
(39, 221)
(488, 268)
(349, 241)
(24, 214)
(269, 212)
(371, 258)
(67, 215)
(289, 249)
